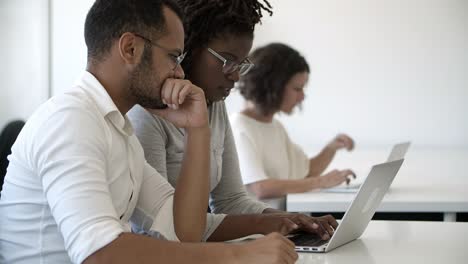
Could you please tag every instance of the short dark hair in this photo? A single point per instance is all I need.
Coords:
(107, 20)
(206, 20)
(275, 65)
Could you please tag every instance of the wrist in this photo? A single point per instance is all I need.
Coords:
(271, 211)
(259, 221)
(331, 147)
(315, 182)
(201, 130)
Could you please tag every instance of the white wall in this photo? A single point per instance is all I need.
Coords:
(24, 57)
(68, 45)
(382, 70)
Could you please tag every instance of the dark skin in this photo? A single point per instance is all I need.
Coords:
(131, 78)
(206, 72)
(206, 68)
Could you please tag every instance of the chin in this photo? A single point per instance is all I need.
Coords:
(151, 103)
(288, 111)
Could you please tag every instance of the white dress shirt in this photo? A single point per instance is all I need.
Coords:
(77, 176)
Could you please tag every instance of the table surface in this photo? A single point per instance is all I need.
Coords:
(430, 180)
(401, 242)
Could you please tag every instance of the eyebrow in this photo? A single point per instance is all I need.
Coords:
(233, 56)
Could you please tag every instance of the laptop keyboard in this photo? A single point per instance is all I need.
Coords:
(307, 240)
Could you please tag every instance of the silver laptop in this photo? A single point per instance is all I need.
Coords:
(359, 213)
(398, 152)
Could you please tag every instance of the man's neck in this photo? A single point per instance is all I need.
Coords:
(115, 85)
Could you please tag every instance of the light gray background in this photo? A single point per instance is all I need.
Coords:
(382, 70)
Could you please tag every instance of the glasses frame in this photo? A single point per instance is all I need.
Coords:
(178, 60)
(235, 66)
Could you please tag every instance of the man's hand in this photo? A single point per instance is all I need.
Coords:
(286, 223)
(271, 249)
(336, 177)
(341, 141)
(186, 104)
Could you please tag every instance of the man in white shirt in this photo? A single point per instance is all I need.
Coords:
(77, 173)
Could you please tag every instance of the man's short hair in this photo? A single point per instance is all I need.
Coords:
(107, 20)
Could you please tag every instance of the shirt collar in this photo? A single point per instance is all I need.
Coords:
(104, 102)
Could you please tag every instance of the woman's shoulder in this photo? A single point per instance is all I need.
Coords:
(277, 124)
(241, 121)
(146, 123)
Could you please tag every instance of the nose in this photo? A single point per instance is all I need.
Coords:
(179, 72)
(301, 96)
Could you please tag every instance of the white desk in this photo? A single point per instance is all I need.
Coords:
(428, 181)
(399, 242)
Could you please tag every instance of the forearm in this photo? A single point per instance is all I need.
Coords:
(131, 248)
(277, 188)
(236, 226)
(319, 163)
(192, 190)
(272, 211)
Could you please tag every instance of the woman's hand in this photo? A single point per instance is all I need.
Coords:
(286, 223)
(336, 177)
(341, 141)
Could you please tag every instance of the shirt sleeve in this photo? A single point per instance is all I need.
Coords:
(155, 192)
(299, 163)
(230, 195)
(155, 209)
(71, 165)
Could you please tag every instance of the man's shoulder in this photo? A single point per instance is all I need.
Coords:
(74, 100)
(70, 110)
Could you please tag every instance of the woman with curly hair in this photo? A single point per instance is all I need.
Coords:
(270, 171)
(218, 39)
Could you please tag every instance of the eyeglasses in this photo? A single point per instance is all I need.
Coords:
(230, 66)
(177, 59)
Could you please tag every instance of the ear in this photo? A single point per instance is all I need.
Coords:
(130, 48)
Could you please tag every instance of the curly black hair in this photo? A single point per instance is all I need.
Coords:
(107, 20)
(206, 20)
(275, 65)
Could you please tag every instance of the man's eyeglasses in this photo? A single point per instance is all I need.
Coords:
(230, 66)
(177, 59)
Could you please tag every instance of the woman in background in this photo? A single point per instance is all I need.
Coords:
(271, 164)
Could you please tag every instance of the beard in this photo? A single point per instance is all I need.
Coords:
(143, 82)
